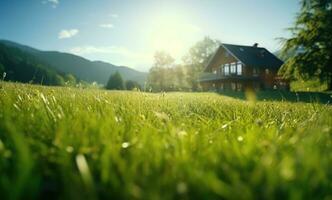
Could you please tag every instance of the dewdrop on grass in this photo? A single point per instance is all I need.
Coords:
(240, 138)
(182, 133)
(125, 145)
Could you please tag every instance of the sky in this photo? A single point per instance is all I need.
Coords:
(129, 32)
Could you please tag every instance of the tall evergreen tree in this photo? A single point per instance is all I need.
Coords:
(312, 42)
(115, 82)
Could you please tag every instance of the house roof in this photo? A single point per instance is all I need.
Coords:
(250, 55)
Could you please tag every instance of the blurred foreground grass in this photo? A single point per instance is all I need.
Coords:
(64, 143)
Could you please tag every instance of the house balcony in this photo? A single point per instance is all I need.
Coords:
(206, 77)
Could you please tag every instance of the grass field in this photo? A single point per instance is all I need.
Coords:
(66, 143)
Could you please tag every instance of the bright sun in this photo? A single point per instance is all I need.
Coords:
(173, 34)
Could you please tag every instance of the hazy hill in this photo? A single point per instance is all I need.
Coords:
(80, 67)
(285, 57)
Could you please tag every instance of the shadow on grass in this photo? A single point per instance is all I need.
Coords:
(307, 97)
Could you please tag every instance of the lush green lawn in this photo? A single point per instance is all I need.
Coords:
(81, 144)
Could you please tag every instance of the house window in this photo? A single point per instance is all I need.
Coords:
(255, 71)
(267, 71)
(233, 68)
(239, 68)
(233, 86)
(226, 69)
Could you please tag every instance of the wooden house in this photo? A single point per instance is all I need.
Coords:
(236, 67)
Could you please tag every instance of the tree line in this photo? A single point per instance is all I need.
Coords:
(116, 82)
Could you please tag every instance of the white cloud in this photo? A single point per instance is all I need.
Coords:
(67, 33)
(116, 55)
(114, 15)
(82, 50)
(106, 25)
(54, 3)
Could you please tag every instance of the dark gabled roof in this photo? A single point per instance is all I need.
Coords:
(250, 55)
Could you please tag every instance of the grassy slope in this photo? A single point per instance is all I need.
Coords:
(72, 143)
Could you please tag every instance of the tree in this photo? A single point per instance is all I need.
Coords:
(115, 82)
(2, 70)
(58, 80)
(163, 59)
(312, 41)
(160, 75)
(130, 85)
(166, 75)
(70, 80)
(180, 77)
(197, 58)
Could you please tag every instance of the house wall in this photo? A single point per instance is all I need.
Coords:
(266, 74)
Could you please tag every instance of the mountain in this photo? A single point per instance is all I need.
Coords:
(289, 54)
(80, 67)
(23, 67)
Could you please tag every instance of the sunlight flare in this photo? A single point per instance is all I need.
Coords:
(172, 33)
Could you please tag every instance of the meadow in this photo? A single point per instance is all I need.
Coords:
(69, 143)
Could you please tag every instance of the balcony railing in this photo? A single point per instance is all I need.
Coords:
(211, 77)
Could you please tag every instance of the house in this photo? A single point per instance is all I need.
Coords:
(236, 67)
